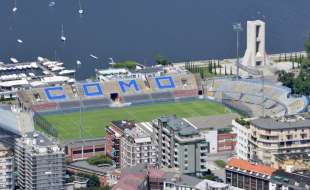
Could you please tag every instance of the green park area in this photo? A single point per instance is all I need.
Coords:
(94, 122)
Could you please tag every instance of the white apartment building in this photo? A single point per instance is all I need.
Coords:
(6, 167)
(243, 133)
(138, 146)
(266, 139)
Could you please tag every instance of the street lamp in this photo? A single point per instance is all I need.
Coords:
(78, 64)
(237, 28)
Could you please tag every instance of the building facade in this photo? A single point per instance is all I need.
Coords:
(138, 147)
(115, 132)
(83, 149)
(40, 163)
(247, 175)
(266, 140)
(180, 145)
(6, 167)
(281, 180)
(242, 129)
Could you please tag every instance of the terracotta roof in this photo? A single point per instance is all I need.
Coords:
(156, 173)
(130, 181)
(250, 167)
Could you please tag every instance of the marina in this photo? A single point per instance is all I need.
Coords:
(43, 72)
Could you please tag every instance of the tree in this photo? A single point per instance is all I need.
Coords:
(131, 65)
(225, 70)
(210, 67)
(231, 70)
(93, 181)
(307, 46)
(160, 60)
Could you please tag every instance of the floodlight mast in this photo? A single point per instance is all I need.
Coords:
(237, 27)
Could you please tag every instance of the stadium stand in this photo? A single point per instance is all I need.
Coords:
(139, 98)
(277, 99)
(162, 96)
(103, 94)
(97, 102)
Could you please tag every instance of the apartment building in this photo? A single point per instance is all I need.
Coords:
(281, 180)
(40, 163)
(246, 175)
(268, 138)
(6, 167)
(115, 132)
(180, 145)
(138, 146)
(241, 127)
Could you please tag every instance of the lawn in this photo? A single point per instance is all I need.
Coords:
(95, 121)
(220, 163)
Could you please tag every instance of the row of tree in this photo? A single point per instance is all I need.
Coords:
(300, 84)
(213, 68)
(292, 57)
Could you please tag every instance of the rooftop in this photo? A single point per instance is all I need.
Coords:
(148, 70)
(37, 143)
(124, 124)
(85, 142)
(220, 121)
(285, 122)
(183, 127)
(291, 179)
(85, 166)
(250, 167)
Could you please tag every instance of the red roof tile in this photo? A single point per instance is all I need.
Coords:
(251, 167)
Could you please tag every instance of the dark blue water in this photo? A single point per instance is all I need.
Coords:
(139, 29)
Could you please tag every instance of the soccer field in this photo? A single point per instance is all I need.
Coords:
(95, 122)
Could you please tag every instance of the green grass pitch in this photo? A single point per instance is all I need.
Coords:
(95, 121)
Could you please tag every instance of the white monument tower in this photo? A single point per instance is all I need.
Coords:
(255, 54)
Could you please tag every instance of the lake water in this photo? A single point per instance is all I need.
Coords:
(139, 29)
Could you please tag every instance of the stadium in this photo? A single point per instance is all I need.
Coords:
(180, 91)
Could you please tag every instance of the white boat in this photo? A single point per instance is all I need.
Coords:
(78, 62)
(112, 61)
(93, 56)
(13, 60)
(66, 72)
(20, 41)
(56, 68)
(63, 37)
(40, 59)
(31, 74)
(52, 4)
(81, 11)
(15, 7)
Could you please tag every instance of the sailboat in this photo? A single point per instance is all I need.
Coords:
(63, 37)
(20, 41)
(81, 11)
(52, 4)
(15, 7)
